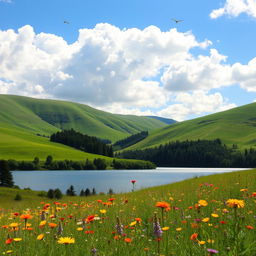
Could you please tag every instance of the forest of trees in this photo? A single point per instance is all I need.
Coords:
(96, 164)
(130, 140)
(82, 142)
(200, 153)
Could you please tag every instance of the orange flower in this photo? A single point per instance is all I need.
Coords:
(138, 219)
(128, 240)
(26, 216)
(52, 225)
(249, 227)
(163, 205)
(194, 236)
(202, 203)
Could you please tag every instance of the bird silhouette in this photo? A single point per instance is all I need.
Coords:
(177, 21)
(66, 22)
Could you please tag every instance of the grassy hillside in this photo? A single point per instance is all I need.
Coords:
(191, 217)
(19, 145)
(235, 126)
(47, 116)
(23, 119)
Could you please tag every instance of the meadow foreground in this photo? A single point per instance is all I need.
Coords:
(213, 215)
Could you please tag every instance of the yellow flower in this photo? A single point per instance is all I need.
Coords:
(17, 239)
(178, 229)
(14, 225)
(42, 223)
(103, 211)
(210, 224)
(133, 223)
(243, 189)
(40, 237)
(235, 203)
(202, 203)
(210, 241)
(205, 219)
(201, 242)
(79, 229)
(215, 215)
(165, 228)
(171, 199)
(66, 240)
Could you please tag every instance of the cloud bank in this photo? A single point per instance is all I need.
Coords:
(234, 8)
(123, 71)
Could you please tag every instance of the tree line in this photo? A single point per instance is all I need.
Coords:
(96, 164)
(82, 142)
(200, 153)
(124, 143)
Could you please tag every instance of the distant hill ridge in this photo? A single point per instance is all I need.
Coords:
(235, 126)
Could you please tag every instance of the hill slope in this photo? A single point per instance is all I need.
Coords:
(235, 126)
(25, 124)
(48, 116)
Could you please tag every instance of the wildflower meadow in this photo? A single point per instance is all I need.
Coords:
(213, 215)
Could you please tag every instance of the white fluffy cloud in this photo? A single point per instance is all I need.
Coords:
(234, 8)
(196, 103)
(123, 71)
(105, 65)
(203, 72)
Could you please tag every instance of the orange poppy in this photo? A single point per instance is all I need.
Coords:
(162, 205)
(194, 236)
(26, 216)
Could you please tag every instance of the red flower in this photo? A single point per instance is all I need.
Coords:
(89, 232)
(133, 181)
(89, 218)
(8, 241)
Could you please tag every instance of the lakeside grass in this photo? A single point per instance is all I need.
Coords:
(189, 229)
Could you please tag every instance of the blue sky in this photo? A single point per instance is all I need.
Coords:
(130, 56)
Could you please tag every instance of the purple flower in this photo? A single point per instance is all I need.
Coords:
(212, 251)
(157, 228)
(119, 227)
(94, 251)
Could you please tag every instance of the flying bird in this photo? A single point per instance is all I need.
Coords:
(66, 22)
(177, 21)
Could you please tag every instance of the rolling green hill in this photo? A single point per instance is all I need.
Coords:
(25, 124)
(235, 126)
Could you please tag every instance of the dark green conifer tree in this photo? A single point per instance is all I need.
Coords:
(6, 179)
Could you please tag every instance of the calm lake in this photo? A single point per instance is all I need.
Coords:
(102, 181)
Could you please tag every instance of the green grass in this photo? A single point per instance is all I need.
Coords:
(20, 145)
(235, 126)
(230, 231)
(22, 118)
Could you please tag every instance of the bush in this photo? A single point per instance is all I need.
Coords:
(58, 194)
(18, 197)
(42, 194)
